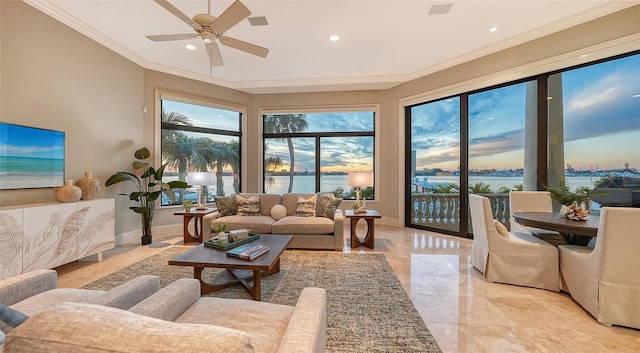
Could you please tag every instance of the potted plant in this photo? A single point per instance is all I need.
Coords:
(187, 205)
(149, 188)
(562, 195)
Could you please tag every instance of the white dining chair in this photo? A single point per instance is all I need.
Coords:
(605, 279)
(516, 257)
(530, 201)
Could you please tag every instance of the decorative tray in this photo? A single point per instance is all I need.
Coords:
(213, 243)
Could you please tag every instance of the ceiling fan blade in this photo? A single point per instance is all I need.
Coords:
(244, 46)
(168, 37)
(214, 54)
(230, 17)
(179, 14)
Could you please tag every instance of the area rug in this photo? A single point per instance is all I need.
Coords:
(367, 308)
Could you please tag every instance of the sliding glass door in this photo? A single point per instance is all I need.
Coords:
(434, 133)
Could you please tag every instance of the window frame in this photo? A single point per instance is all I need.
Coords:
(161, 94)
(375, 108)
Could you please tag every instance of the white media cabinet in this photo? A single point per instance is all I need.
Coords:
(52, 234)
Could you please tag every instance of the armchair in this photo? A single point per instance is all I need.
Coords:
(518, 258)
(604, 279)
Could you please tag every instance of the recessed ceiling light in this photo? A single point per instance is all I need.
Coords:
(334, 38)
(584, 55)
(190, 46)
(493, 29)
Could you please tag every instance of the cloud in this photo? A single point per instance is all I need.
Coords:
(29, 151)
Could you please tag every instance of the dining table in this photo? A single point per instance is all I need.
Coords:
(574, 232)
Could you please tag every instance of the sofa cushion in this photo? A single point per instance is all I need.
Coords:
(326, 205)
(45, 300)
(306, 207)
(267, 201)
(257, 224)
(278, 212)
(303, 225)
(502, 230)
(264, 322)
(248, 206)
(290, 201)
(72, 327)
(10, 318)
(227, 206)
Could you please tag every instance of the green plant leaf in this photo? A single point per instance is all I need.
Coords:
(176, 184)
(153, 196)
(120, 177)
(170, 194)
(141, 210)
(135, 196)
(142, 153)
(147, 173)
(137, 165)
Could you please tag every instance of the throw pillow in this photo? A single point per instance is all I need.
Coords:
(306, 208)
(10, 318)
(326, 205)
(502, 230)
(278, 212)
(227, 206)
(249, 206)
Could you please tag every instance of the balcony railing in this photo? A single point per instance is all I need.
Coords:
(442, 211)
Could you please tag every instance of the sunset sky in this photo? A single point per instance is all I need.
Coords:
(601, 126)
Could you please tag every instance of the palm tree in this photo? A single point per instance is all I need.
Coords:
(270, 166)
(285, 124)
(234, 162)
(221, 156)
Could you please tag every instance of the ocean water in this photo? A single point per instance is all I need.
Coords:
(22, 172)
(306, 183)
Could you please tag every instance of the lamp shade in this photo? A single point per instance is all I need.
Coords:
(201, 178)
(361, 179)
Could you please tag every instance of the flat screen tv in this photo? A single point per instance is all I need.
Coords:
(30, 157)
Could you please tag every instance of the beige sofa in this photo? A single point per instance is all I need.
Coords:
(177, 319)
(37, 291)
(307, 232)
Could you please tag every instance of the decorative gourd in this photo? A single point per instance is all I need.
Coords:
(90, 187)
(68, 192)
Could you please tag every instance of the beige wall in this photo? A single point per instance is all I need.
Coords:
(56, 78)
(68, 82)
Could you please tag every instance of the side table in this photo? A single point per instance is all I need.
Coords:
(197, 216)
(370, 217)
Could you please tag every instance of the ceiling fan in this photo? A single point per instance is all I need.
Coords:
(211, 28)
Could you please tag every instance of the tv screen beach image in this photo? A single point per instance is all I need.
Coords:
(30, 157)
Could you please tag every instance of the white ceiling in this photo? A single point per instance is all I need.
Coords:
(383, 43)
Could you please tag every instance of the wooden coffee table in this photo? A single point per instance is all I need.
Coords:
(267, 264)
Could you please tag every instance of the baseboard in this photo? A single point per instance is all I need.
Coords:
(133, 237)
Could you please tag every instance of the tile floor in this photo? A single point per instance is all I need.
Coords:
(463, 312)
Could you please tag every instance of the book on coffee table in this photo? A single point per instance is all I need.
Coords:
(248, 251)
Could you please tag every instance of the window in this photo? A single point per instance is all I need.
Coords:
(435, 165)
(581, 124)
(200, 136)
(594, 130)
(310, 152)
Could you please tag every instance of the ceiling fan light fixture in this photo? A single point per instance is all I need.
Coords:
(208, 37)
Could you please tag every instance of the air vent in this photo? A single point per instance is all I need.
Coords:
(440, 9)
(258, 21)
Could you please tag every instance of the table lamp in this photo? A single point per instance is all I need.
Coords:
(358, 180)
(203, 179)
